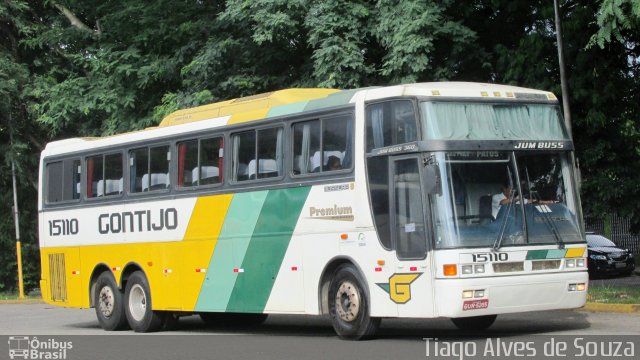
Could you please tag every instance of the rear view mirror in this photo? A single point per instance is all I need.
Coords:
(432, 180)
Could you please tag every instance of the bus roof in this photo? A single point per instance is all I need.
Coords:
(292, 101)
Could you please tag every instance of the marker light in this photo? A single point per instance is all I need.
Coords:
(467, 269)
(450, 269)
(467, 294)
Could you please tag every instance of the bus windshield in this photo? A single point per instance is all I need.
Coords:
(499, 198)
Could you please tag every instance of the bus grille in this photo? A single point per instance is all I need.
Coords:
(57, 277)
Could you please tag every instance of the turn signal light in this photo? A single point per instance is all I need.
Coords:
(450, 269)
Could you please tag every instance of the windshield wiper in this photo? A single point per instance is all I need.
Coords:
(552, 226)
(503, 226)
(545, 215)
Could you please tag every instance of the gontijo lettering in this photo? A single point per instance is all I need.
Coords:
(138, 221)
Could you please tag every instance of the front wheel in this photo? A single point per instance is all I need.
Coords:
(349, 305)
(138, 308)
(474, 322)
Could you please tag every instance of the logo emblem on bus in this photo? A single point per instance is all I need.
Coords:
(399, 287)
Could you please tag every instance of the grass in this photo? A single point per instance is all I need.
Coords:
(14, 296)
(613, 295)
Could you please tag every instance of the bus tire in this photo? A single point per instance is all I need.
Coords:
(138, 306)
(474, 322)
(349, 305)
(109, 303)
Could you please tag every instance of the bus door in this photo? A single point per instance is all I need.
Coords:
(411, 286)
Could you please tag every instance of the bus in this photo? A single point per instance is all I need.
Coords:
(447, 199)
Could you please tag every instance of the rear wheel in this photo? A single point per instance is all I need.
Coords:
(109, 303)
(474, 322)
(138, 307)
(349, 305)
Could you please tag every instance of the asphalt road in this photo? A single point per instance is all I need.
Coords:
(632, 281)
(299, 337)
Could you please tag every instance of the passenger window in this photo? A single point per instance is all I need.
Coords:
(257, 154)
(322, 145)
(104, 175)
(63, 181)
(200, 162)
(390, 123)
(149, 169)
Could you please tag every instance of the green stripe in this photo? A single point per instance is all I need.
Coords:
(266, 251)
(235, 235)
(536, 254)
(556, 254)
(335, 99)
(287, 109)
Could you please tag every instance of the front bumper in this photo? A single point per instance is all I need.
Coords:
(510, 294)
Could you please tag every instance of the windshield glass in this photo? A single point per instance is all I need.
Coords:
(599, 241)
(483, 121)
(498, 198)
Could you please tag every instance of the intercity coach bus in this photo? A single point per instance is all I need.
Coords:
(454, 200)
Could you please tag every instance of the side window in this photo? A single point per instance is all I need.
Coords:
(62, 181)
(323, 145)
(200, 162)
(104, 175)
(390, 123)
(257, 154)
(149, 169)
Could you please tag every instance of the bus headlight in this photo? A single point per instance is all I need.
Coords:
(467, 294)
(580, 262)
(570, 263)
(478, 269)
(467, 269)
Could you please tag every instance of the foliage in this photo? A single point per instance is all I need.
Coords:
(616, 18)
(92, 68)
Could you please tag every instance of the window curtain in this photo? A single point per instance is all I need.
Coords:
(377, 125)
(235, 167)
(182, 154)
(306, 144)
(221, 160)
(456, 121)
(348, 151)
(279, 153)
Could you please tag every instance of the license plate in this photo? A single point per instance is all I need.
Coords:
(621, 265)
(475, 304)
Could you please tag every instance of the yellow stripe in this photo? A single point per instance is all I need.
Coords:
(207, 217)
(575, 253)
(201, 237)
(174, 290)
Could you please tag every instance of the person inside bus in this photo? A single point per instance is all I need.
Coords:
(333, 163)
(503, 198)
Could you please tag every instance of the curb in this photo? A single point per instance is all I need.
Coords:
(24, 301)
(614, 308)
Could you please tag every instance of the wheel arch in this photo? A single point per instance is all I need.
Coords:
(97, 271)
(328, 273)
(129, 269)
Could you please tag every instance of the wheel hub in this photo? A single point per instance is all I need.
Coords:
(106, 302)
(347, 302)
(137, 302)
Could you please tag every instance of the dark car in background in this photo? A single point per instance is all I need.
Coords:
(606, 258)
